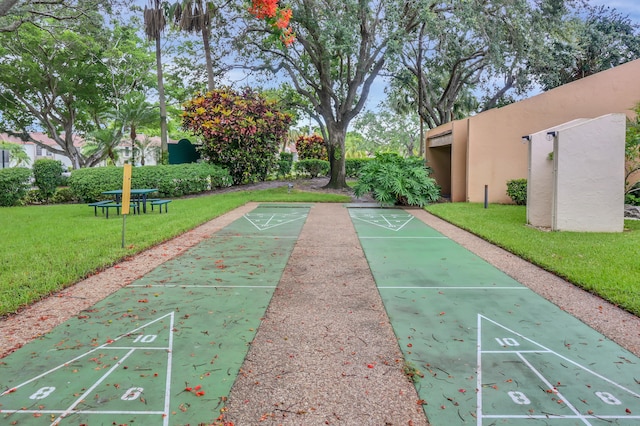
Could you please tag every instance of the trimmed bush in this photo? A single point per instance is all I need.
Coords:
(176, 180)
(517, 191)
(353, 166)
(312, 167)
(392, 179)
(14, 185)
(47, 175)
(63, 195)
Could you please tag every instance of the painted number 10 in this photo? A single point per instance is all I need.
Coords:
(148, 338)
(507, 341)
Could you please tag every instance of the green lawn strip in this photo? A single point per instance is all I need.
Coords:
(605, 264)
(47, 248)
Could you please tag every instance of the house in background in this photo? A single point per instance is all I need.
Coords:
(147, 151)
(34, 151)
(487, 149)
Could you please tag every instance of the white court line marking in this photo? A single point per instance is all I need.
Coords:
(167, 388)
(455, 288)
(261, 226)
(480, 352)
(404, 238)
(389, 225)
(201, 286)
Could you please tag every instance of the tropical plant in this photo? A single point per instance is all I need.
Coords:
(632, 157)
(134, 113)
(17, 154)
(312, 167)
(241, 131)
(392, 179)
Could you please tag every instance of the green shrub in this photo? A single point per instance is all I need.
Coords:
(63, 195)
(392, 179)
(313, 167)
(517, 191)
(176, 180)
(353, 166)
(47, 175)
(14, 185)
(285, 163)
(33, 196)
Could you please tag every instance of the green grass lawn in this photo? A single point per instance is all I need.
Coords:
(606, 264)
(47, 248)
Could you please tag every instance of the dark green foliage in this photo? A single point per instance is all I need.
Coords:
(392, 179)
(171, 180)
(47, 175)
(285, 162)
(311, 147)
(14, 185)
(241, 131)
(313, 167)
(63, 195)
(517, 191)
(353, 166)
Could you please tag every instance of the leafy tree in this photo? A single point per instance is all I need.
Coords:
(594, 40)
(340, 48)
(460, 48)
(64, 79)
(387, 130)
(241, 131)
(15, 13)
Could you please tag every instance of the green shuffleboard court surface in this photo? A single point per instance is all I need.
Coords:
(164, 350)
(490, 350)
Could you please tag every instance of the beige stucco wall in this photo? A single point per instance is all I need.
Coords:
(540, 180)
(494, 152)
(588, 192)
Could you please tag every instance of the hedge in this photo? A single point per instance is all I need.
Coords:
(176, 180)
(313, 167)
(14, 185)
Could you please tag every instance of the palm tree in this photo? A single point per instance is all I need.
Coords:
(154, 24)
(134, 113)
(195, 16)
(145, 148)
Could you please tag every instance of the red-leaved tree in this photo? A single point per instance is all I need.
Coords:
(311, 147)
(241, 131)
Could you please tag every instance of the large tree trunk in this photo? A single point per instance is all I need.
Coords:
(164, 139)
(207, 55)
(335, 149)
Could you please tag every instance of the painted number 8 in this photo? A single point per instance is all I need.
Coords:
(42, 393)
(519, 398)
(132, 394)
(607, 398)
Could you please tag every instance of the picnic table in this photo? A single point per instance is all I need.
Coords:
(138, 196)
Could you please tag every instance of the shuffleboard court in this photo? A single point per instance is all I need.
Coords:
(164, 350)
(491, 350)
